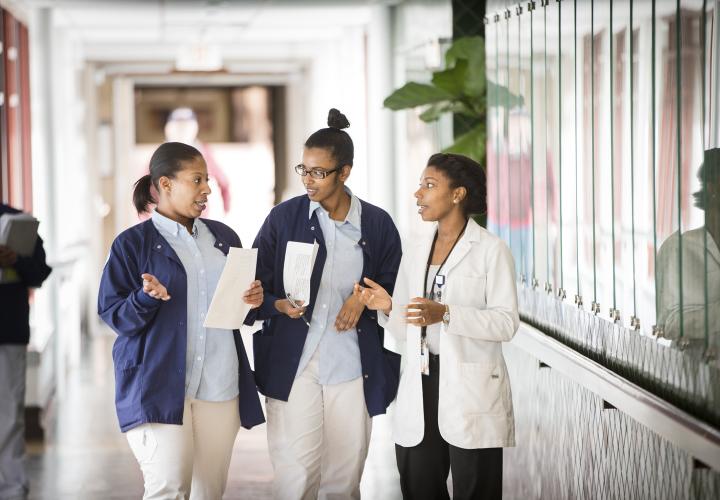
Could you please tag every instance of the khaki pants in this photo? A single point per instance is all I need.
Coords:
(13, 477)
(189, 461)
(318, 439)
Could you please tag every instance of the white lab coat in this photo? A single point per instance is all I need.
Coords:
(475, 406)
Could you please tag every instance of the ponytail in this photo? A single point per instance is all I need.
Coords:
(142, 197)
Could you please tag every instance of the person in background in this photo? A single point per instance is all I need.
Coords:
(182, 391)
(685, 309)
(323, 367)
(19, 275)
(455, 300)
(182, 126)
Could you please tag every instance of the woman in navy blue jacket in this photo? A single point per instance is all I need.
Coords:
(322, 366)
(181, 390)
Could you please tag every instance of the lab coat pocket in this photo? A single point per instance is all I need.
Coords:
(483, 388)
(472, 291)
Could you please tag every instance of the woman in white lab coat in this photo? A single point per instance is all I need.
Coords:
(455, 300)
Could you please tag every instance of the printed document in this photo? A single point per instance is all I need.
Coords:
(299, 262)
(227, 309)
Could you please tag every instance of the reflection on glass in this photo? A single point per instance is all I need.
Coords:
(597, 187)
(692, 310)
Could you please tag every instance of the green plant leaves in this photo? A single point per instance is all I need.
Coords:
(413, 94)
(452, 80)
(465, 48)
(434, 111)
(471, 50)
(500, 96)
(471, 144)
(462, 89)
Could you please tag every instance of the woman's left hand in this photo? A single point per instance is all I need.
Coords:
(350, 313)
(254, 294)
(424, 312)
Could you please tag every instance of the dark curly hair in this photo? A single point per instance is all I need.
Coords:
(464, 172)
(334, 139)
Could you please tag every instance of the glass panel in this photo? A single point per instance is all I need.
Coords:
(569, 136)
(518, 219)
(622, 165)
(643, 162)
(585, 209)
(602, 161)
(493, 126)
(539, 145)
(524, 127)
(553, 165)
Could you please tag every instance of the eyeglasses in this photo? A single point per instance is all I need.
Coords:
(315, 173)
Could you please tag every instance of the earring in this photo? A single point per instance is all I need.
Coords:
(455, 201)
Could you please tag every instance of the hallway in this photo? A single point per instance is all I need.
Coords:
(85, 456)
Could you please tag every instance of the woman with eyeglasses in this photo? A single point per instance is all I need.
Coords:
(454, 305)
(322, 366)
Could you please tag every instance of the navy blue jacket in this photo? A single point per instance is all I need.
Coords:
(149, 352)
(279, 345)
(14, 305)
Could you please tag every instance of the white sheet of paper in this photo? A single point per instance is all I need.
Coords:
(227, 308)
(299, 262)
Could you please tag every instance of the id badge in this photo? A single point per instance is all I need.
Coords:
(424, 358)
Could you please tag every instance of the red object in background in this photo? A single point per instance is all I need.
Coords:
(25, 131)
(3, 117)
(12, 107)
(15, 149)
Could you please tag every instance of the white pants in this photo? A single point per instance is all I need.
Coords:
(13, 478)
(318, 439)
(190, 460)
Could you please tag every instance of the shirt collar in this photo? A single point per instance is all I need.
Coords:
(170, 226)
(353, 215)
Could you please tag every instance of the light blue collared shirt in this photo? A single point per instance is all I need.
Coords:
(211, 362)
(339, 351)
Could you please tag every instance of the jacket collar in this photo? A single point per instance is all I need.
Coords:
(353, 216)
(170, 226)
(473, 234)
(159, 244)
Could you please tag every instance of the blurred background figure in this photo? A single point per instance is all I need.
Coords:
(182, 126)
(19, 274)
(690, 310)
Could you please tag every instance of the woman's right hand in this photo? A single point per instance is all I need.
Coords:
(373, 296)
(285, 307)
(154, 288)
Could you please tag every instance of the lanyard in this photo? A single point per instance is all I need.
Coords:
(423, 330)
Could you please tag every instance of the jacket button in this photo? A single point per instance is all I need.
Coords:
(363, 243)
(219, 244)
(312, 228)
(159, 247)
(366, 375)
(359, 330)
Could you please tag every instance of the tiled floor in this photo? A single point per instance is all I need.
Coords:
(85, 457)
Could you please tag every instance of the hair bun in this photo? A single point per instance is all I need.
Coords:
(337, 120)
